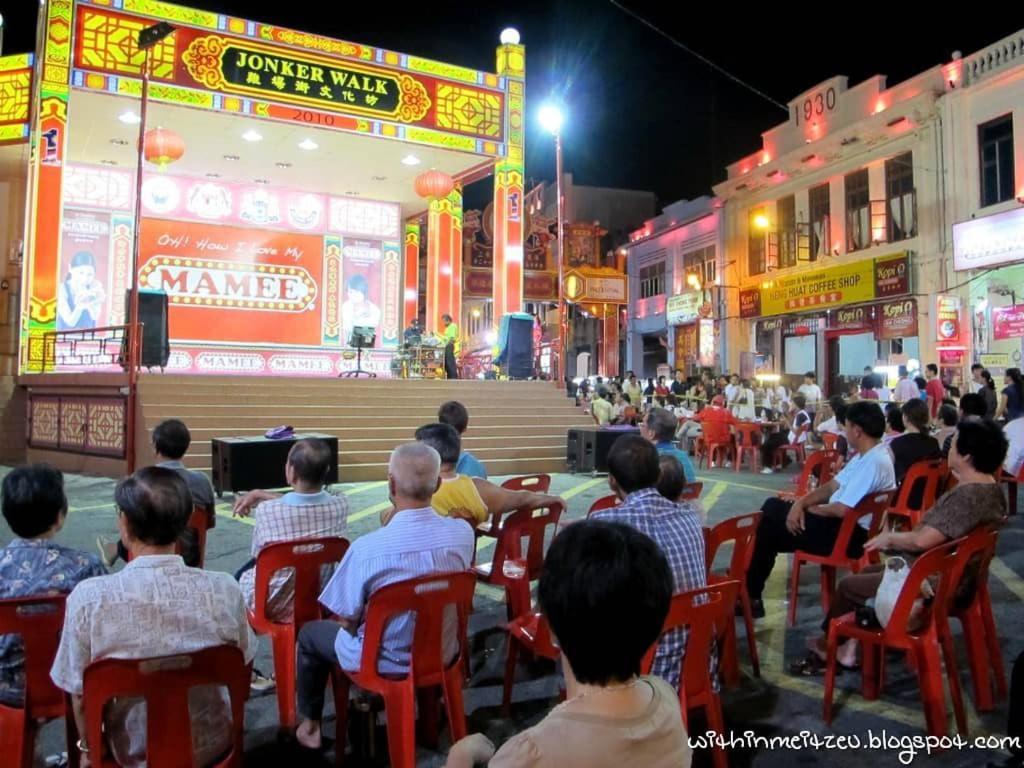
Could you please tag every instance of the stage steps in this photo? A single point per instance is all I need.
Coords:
(515, 427)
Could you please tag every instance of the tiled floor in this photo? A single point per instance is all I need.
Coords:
(775, 705)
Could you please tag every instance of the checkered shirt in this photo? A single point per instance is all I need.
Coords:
(293, 517)
(677, 530)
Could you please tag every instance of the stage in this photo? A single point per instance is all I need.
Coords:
(78, 422)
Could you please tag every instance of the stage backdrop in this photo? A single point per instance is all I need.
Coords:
(259, 279)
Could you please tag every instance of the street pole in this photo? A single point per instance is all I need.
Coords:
(563, 341)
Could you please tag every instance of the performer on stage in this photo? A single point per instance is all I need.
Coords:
(413, 335)
(451, 346)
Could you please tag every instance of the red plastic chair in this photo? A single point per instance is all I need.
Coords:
(922, 645)
(38, 620)
(305, 558)
(511, 559)
(428, 598)
(534, 483)
(691, 491)
(707, 612)
(798, 449)
(531, 632)
(1012, 482)
(978, 622)
(605, 502)
(740, 532)
(830, 440)
(748, 442)
(925, 477)
(716, 439)
(874, 504)
(821, 465)
(164, 682)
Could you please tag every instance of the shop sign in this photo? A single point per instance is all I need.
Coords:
(769, 326)
(1008, 322)
(707, 343)
(994, 360)
(897, 319)
(850, 319)
(951, 357)
(803, 326)
(611, 289)
(837, 286)
(684, 308)
(947, 319)
(990, 241)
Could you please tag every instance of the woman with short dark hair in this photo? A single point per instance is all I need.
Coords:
(612, 716)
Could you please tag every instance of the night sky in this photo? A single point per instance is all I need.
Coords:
(643, 113)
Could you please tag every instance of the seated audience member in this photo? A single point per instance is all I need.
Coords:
(171, 441)
(661, 392)
(469, 498)
(32, 564)
(155, 606)
(455, 413)
(612, 717)
(659, 426)
(672, 482)
(787, 433)
(915, 444)
(977, 500)
(1014, 432)
(947, 420)
(602, 409)
(416, 542)
(867, 388)
(676, 528)
(972, 407)
(812, 522)
(308, 511)
(633, 389)
(894, 426)
(834, 423)
(743, 404)
(715, 420)
(623, 409)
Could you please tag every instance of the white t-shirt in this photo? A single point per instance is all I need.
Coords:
(1014, 432)
(831, 426)
(906, 390)
(864, 474)
(812, 392)
(732, 391)
(798, 421)
(744, 407)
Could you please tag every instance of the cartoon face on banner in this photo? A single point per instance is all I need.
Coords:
(304, 212)
(85, 250)
(160, 195)
(209, 201)
(361, 279)
(260, 207)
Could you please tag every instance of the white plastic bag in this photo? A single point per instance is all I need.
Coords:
(895, 573)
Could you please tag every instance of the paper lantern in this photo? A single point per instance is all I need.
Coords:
(433, 183)
(162, 147)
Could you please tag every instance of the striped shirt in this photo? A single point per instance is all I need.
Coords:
(293, 517)
(677, 530)
(417, 542)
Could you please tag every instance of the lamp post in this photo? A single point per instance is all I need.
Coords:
(551, 119)
(147, 38)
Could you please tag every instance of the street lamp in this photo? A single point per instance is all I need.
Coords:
(551, 119)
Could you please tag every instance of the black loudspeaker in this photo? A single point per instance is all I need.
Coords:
(587, 447)
(519, 353)
(156, 348)
(244, 463)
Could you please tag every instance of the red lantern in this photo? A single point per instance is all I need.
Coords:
(435, 184)
(162, 147)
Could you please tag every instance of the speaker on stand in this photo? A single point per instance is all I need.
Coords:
(156, 348)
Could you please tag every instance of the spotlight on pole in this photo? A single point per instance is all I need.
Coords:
(551, 118)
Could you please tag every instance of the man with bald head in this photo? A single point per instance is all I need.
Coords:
(416, 542)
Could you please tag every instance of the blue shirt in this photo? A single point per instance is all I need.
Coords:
(669, 449)
(33, 568)
(678, 532)
(417, 542)
(470, 466)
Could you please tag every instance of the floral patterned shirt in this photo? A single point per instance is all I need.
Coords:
(30, 568)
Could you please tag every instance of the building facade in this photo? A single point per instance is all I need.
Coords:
(674, 269)
(836, 234)
(983, 112)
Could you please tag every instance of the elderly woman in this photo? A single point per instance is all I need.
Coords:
(612, 716)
